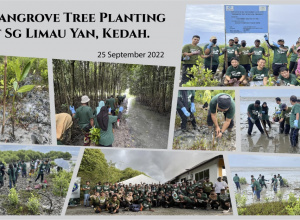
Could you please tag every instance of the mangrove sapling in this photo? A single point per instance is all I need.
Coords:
(13, 197)
(95, 135)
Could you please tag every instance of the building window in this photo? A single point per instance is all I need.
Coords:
(202, 175)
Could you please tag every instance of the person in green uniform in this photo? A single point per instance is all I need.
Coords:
(212, 62)
(236, 43)
(186, 108)
(285, 116)
(2, 168)
(114, 205)
(224, 103)
(86, 118)
(236, 180)
(190, 56)
(199, 201)
(224, 200)
(17, 169)
(1, 179)
(257, 53)
(294, 57)
(294, 121)
(98, 188)
(42, 169)
(185, 202)
(100, 202)
(254, 113)
(32, 167)
(280, 58)
(86, 192)
(105, 121)
(24, 169)
(235, 73)
(280, 180)
(207, 186)
(262, 182)
(111, 105)
(147, 204)
(259, 74)
(257, 188)
(287, 78)
(265, 115)
(11, 172)
(244, 56)
(275, 183)
(230, 52)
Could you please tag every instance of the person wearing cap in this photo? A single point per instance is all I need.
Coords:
(230, 51)
(244, 56)
(294, 121)
(280, 58)
(236, 43)
(285, 118)
(257, 53)
(297, 71)
(220, 184)
(190, 56)
(294, 57)
(254, 114)
(86, 118)
(258, 75)
(265, 115)
(224, 103)
(236, 180)
(286, 78)
(212, 62)
(235, 73)
(186, 108)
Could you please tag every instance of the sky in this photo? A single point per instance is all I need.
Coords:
(269, 92)
(263, 161)
(159, 165)
(208, 20)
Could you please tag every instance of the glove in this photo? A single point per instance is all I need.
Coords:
(221, 54)
(278, 112)
(109, 110)
(185, 112)
(254, 192)
(278, 81)
(266, 37)
(276, 45)
(252, 120)
(259, 117)
(209, 45)
(121, 109)
(263, 112)
(296, 123)
(250, 74)
(72, 109)
(186, 58)
(193, 109)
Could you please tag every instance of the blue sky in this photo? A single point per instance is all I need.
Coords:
(208, 20)
(263, 161)
(44, 149)
(268, 93)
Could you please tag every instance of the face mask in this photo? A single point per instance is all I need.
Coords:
(243, 44)
(236, 42)
(283, 109)
(214, 41)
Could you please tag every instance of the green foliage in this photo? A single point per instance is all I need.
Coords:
(240, 200)
(279, 195)
(33, 205)
(13, 197)
(285, 182)
(243, 180)
(95, 135)
(61, 183)
(292, 199)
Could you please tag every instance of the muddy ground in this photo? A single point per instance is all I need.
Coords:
(202, 139)
(81, 210)
(45, 204)
(32, 124)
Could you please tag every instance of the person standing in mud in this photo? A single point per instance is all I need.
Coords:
(275, 183)
(294, 121)
(224, 103)
(285, 116)
(186, 108)
(254, 116)
(42, 169)
(265, 115)
(280, 180)
(257, 188)
(2, 168)
(236, 180)
(11, 172)
(1, 179)
(32, 167)
(24, 169)
(262, 182)
(16, 168)
(86, 118)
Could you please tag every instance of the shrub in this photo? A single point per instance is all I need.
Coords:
(61, 183)
(279, 195)
(33, 205)
(292, 199)
(240, 200)
(13, 196)
(293, 209)
(285, 182)
(243, 180)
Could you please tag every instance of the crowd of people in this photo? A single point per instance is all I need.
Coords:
(244, 65)
(14, 169)
(287, 116)
(141, 197)
(258, 184)
(222, 102)
(105, 116)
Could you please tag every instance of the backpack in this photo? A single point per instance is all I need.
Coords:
(135, 207)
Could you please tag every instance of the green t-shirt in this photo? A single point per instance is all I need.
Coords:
(204, 196)
(115, 203)
(84, 114)
(111, 103)
(244, 58)
(259, 75)
(213, 105)
(215, 58)
(107, 137)
(295, 110)
(265, 115)
(230, 52)
(254, 111)
(105, 188)
(42, 168)
(292, 80)
(224, 197)
(279, 55)
(258, 53)
(294, 56)
(190, 48)
(32, 165)
(23, 167)
(286, 115)
(1, 177)
(190, 94)
(274, 181)
(98, 188)
(237, 72)
(207, 186)
(237, 46)
(146, 205)
(236, 179)
(87, 189)
(12, 174)
(257, 185)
